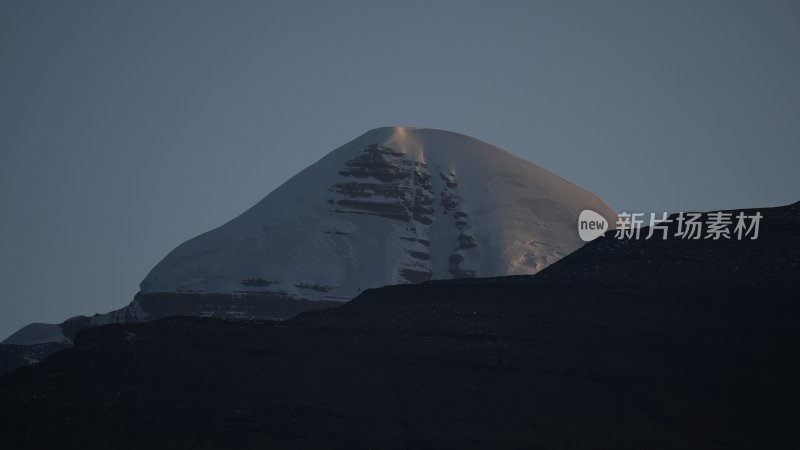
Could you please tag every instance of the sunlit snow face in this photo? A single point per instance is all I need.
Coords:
(395, 205)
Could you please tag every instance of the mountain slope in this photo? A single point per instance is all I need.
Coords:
(647, 344)
(396, 205)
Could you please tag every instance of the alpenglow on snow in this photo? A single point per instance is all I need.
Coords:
(396, 205)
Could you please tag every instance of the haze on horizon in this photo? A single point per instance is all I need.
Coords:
(130, 127)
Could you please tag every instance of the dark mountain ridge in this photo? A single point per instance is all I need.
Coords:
(685, 344)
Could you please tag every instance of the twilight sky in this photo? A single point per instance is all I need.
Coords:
(127, 128)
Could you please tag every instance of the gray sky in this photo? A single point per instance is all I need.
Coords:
(127, 128)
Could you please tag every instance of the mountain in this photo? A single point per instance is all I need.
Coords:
(673, 344)
(394, 206)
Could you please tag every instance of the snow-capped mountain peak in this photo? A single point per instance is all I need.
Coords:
(395, 205)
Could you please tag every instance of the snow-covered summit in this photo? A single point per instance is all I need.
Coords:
(395, 205)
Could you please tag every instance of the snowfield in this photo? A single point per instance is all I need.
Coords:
(395, 205)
